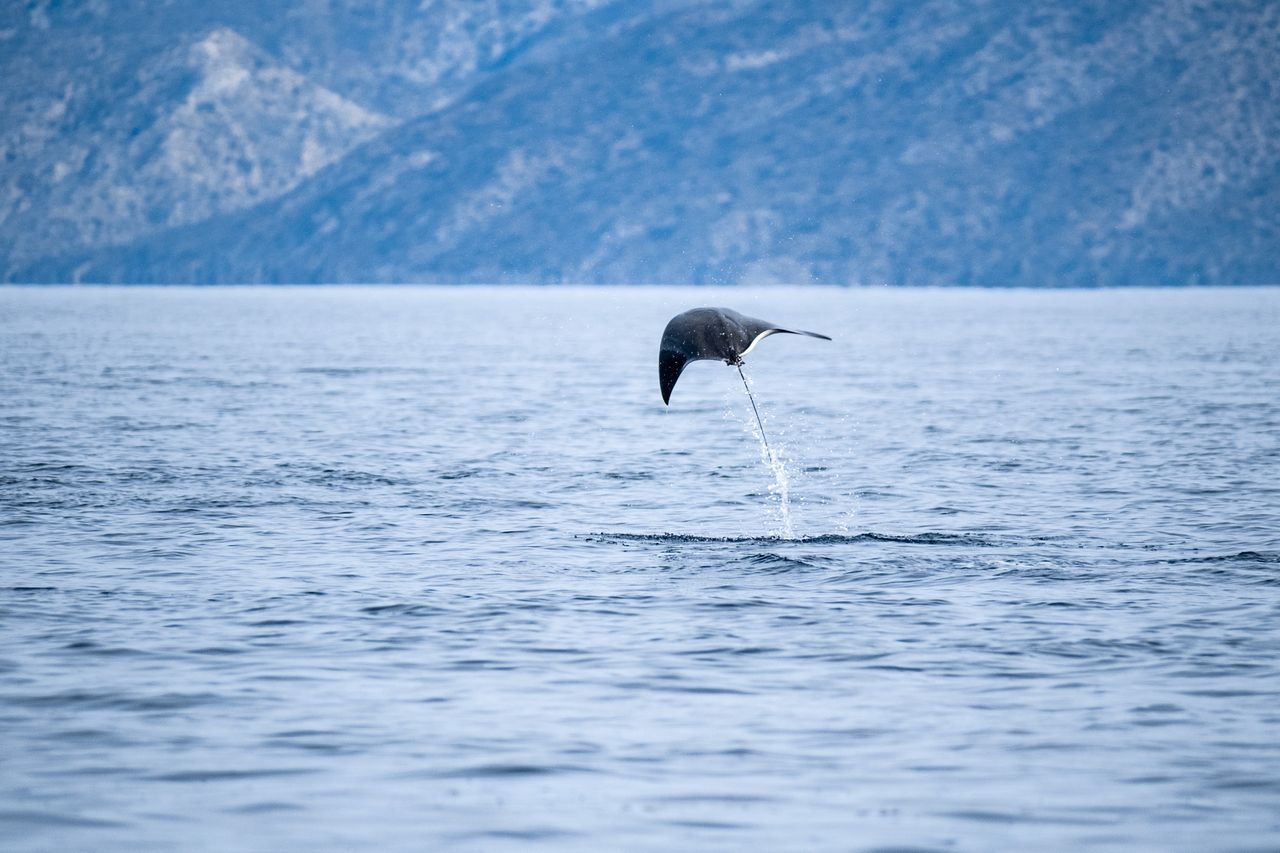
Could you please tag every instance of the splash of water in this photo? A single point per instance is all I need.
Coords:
(781, 486)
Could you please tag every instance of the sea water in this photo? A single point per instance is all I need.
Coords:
(406, 569)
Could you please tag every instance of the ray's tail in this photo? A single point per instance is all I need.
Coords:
(752, 398)
(782, 483)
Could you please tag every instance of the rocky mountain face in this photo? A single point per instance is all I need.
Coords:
(124, 118)
(881, 141)
(210, 127)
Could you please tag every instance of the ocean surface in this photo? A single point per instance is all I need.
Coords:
(410, 569)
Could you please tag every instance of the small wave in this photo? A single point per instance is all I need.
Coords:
(776, 563)
(629, 475)
(222, 775)
(927, 538)
(731, 799)
(403, 610)
(335, 372)
(44, 819)
(502, 771)
(115, 701)
(265, 807)
(1240, 557)
(461, 474)
(331, 476)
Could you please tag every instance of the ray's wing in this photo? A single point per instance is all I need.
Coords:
(679, 347)
(670, 365)
(761, 329)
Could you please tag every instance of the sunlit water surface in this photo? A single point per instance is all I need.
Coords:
(336, 569)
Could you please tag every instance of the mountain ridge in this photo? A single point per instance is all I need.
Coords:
(935, 143)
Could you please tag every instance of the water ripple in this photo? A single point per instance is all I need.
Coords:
(325, 568)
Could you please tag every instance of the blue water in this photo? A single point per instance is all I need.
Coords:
(406, 569)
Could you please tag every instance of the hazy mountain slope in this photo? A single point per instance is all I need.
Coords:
(209, 127)
(938, 142)
(409, 58)
(118, 118)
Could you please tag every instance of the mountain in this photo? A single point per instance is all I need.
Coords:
(124, 118)
(207, 128)
(936, 142)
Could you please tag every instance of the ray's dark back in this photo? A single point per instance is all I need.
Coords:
(707, 333)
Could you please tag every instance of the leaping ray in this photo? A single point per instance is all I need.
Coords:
(717, 333)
